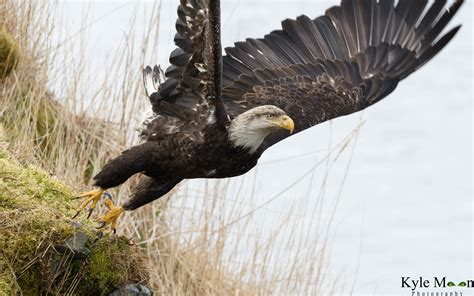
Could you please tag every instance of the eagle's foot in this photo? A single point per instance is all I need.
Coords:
(111, 216)
(91, 199)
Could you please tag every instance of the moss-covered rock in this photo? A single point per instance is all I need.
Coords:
(34, 220)
(9, 54)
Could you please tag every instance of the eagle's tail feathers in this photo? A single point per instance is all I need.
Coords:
(149, 81)
(153, 78)
(158, 76)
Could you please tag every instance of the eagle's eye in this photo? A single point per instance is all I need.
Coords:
(271, 116)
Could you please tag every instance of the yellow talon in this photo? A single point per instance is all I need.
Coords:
(111, 216)
(92, 198)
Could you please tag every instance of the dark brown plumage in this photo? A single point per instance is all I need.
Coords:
(313, 70)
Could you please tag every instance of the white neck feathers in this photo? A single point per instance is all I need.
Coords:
(247, 133)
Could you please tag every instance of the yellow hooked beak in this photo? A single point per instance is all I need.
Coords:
(285, 122)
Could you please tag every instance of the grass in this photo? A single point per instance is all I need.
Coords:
(201, 240)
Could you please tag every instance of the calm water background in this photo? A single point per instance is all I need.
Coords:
(406, 204)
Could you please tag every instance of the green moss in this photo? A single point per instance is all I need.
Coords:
(34, 214)
(111, 263)
(9, 54)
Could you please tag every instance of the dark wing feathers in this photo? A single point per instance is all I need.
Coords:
(336, 64)
(315, 69)
(190, 96)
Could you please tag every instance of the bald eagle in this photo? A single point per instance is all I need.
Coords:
(214, 114)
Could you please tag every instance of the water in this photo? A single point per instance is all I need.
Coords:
(406, 204)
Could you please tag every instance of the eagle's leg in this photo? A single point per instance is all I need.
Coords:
(147, 190)
(117, 171)
(111, 216)
(92, 198)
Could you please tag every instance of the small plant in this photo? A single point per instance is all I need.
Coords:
(9, 54)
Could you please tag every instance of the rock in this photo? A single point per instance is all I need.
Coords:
(77, 245)
(132, 290)
(76, 224)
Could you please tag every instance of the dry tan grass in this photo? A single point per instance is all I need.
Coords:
(193, 239)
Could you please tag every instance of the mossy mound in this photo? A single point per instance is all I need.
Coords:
(9, 54)
(34, 220)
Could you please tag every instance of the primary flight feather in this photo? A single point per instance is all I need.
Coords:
(215, 115)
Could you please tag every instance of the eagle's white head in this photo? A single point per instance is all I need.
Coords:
(249, 129)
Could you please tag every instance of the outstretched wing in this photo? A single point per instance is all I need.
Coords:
(191, 92)
(336, 64)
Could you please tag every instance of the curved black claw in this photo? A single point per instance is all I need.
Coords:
(100, 235)
(90, 213)
(75, 215)
(108, 195)
(101, 225)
